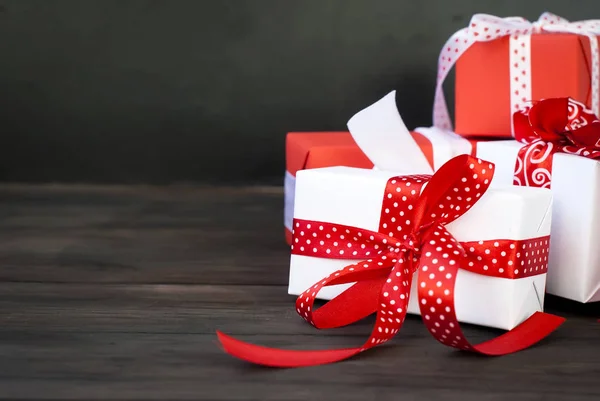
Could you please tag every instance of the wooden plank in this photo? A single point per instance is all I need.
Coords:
(191, 309)
(143, 235)
(89, 366)
(196, 309)
(82, 341)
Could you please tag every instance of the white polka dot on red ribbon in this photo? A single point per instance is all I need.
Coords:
(437, 276)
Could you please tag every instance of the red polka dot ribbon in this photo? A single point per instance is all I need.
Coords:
(484, 27)
(551, 126)
(411, 237)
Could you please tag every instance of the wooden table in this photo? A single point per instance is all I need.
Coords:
(116, 293)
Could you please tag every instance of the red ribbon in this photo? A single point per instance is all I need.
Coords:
(551, 126)
(412, 236)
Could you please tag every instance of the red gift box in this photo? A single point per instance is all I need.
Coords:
(502, 64)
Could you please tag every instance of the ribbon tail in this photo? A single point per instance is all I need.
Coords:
(437, 285)
(279, 358)
(391, 294)
(533, 330)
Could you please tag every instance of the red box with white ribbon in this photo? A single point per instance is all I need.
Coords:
(504, 63)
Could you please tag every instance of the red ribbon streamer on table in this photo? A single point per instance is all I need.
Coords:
(550, 126)
(412, 236)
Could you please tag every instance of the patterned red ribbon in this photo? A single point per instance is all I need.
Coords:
(550, 126)
(412, 236)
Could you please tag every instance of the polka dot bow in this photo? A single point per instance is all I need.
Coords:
(412, 236)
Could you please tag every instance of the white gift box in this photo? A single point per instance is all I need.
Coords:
(574, 261)
(353, 197)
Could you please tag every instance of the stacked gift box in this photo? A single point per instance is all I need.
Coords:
(471, 223)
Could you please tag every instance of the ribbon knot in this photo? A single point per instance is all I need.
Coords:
(537, 27)
(412, 243)
(411, 247)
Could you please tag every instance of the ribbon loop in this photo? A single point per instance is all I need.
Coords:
(453, 191)
(485, 27)
(371, 272)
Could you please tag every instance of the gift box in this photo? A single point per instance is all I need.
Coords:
(353, 197)
(574, 179)
(503, 63)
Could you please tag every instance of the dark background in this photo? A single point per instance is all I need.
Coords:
(204, 91)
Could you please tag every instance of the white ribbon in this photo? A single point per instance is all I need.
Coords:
(383, 137)
(484, 27)
(381, 134)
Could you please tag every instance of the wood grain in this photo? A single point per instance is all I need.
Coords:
(113, 293)
(143, 235)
